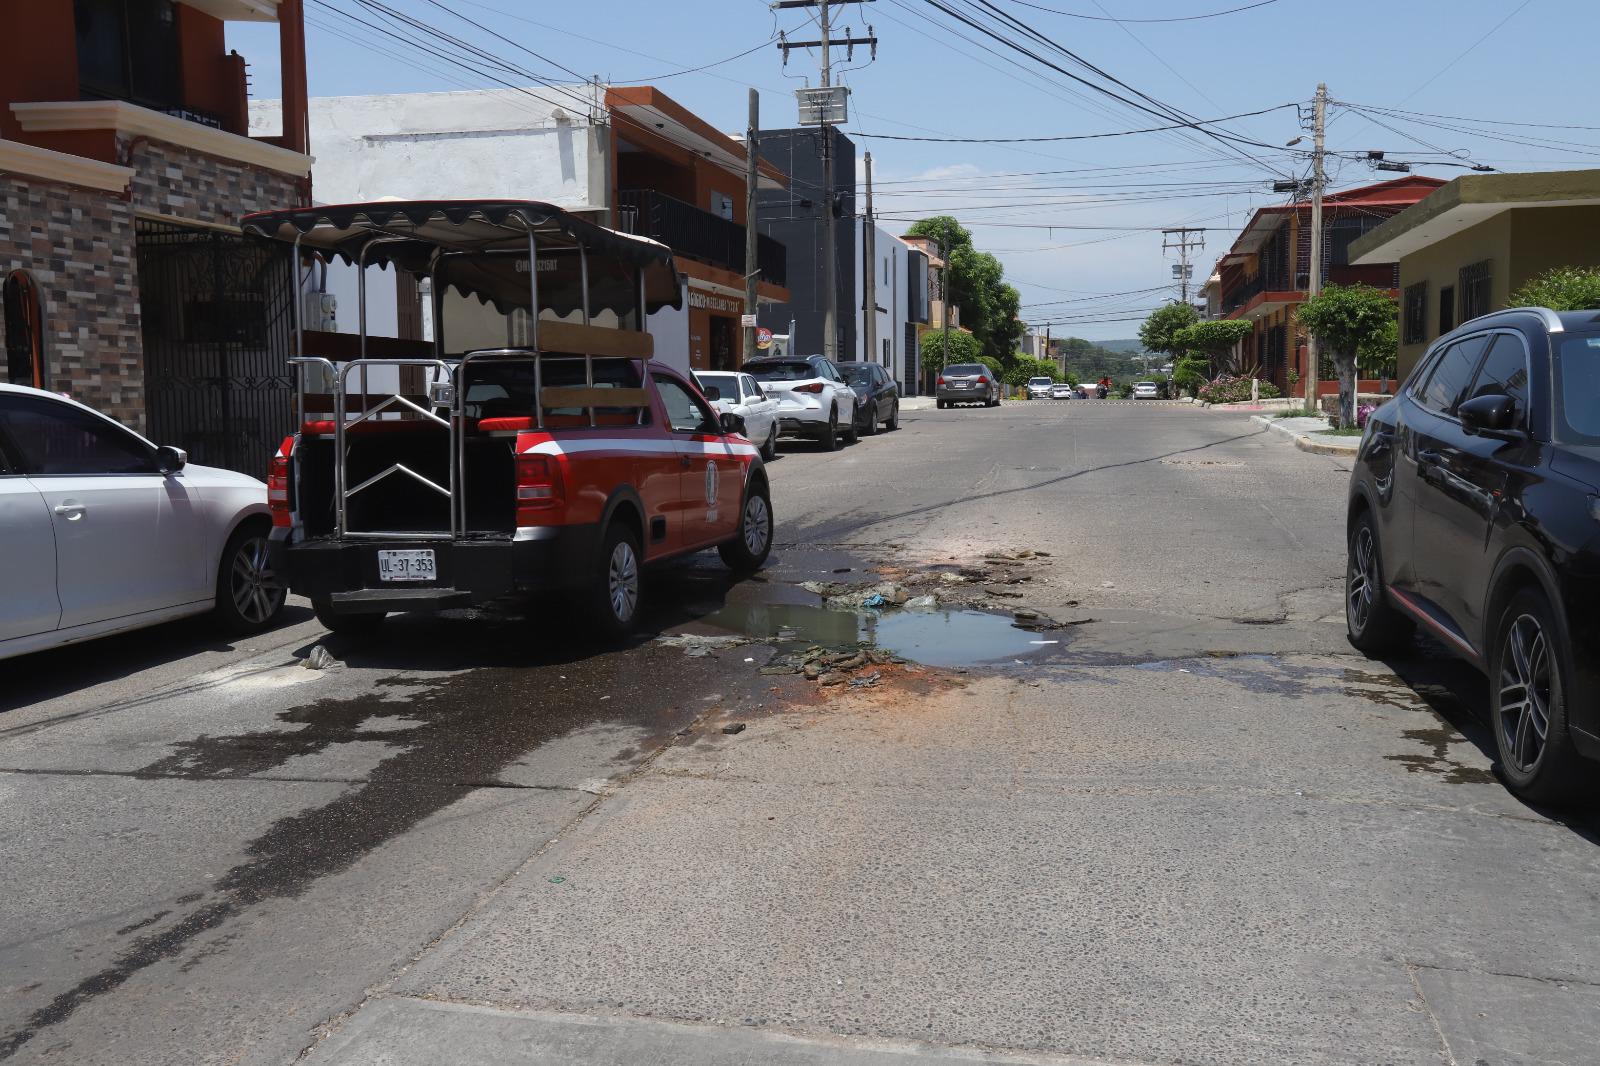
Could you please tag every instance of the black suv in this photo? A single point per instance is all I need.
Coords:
(1475, 512)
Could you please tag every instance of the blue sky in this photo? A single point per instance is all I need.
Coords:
(1510, 61)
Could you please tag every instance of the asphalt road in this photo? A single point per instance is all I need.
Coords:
(1176, 821)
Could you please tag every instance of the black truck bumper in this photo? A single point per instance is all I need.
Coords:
(343, 574)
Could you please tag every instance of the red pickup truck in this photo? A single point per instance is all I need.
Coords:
(566, 463)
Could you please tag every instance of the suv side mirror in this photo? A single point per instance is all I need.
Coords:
(1493, 416)
(732, 423)
(170, 460)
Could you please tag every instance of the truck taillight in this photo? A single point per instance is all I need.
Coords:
(538, 486)
(278, 483)
(815, 386)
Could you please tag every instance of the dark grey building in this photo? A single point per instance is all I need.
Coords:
(796, 217)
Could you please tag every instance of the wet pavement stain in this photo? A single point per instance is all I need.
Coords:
(448, 735)
(1439, 761)
(1260, 673)
(1389, 690)
(938, 638)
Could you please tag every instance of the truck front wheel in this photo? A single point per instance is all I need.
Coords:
(750, 546)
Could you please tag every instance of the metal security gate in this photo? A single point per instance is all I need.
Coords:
(217, 324)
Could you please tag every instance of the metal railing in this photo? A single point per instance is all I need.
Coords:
(698, 234)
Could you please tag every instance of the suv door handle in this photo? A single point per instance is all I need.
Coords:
(1428, 457)
(71, 511)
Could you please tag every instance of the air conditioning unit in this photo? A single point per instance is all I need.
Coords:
(321, 312)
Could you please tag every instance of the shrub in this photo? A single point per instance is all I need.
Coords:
(1561, 289)
(1230, 389)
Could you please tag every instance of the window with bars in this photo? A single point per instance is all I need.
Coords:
(1343, 231)
(1413, 320)
(1474, 285)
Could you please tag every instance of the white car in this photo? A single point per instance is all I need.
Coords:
(1039, 388)
(1062, 391)
(814, 400)
(102, 531)
(740, 394)
(1146, 390)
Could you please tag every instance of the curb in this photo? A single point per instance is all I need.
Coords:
(1307, 443)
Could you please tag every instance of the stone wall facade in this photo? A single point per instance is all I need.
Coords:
(184, 184)
(77, 244)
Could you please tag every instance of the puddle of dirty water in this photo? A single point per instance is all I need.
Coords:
(949, 638)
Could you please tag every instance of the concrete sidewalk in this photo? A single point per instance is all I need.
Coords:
(1310, 435)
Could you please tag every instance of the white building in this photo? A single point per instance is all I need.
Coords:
(901, 274)
(626, 157)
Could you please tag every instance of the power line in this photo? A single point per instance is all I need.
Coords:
(1464, 53)
(1158, 110)
(1070, 136)
(1179, 18)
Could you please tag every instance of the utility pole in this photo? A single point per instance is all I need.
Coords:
(869, 242)
(830, 248)
(1183, 240)
(752, 266)
(1319, 179)
(830, 221)
(944, 293)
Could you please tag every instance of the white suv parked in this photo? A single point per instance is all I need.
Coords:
(814, 400)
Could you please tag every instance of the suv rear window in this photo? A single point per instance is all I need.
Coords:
(795, 371)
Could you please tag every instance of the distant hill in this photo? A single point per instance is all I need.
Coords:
(1132, 346)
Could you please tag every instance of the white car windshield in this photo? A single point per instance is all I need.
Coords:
(726, 384)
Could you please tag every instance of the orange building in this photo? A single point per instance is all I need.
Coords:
(1267, 272)
(125, 164)
(681, 181)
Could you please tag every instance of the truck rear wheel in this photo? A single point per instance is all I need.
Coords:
(361, 624)
(611, 597)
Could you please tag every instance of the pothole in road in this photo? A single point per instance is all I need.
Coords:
(941, 638)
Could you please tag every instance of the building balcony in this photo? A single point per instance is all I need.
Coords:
(697, 234)
(62, 125)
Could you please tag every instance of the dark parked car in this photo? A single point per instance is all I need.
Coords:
(967, 383)
(1474, 512)
(877, 396)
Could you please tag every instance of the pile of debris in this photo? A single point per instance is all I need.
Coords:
(830, 667)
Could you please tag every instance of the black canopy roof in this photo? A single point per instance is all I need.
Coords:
(407, 233)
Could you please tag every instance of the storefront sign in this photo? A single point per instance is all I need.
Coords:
(710, 301)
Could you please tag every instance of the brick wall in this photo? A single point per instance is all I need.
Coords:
(175, 181)
(78, 246)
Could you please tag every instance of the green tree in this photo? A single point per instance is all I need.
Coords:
(1561, 289)
(1024, 367)
(1381, 355)
(963, 349)
(1212, 338)
(1159, 331)
(1189, 373)
(988, 305)
(1348, 320)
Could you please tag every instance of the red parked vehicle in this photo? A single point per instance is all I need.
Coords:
(449, 478)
